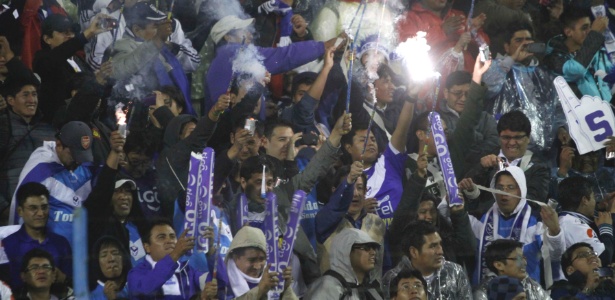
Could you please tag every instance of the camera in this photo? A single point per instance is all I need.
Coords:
(308, 139)
(108, 23)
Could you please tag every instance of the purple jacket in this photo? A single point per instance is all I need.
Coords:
(146, 283)
(277, 60)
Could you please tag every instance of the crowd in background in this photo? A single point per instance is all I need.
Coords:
(105, 103)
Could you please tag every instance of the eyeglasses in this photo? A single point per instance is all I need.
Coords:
(45, 267)
(586, 254)
(506, 188)
(415, 286)
(459, 94)
(366, 248)
(508, 138)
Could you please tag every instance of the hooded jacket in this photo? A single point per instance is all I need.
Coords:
(533, 234)
(328, 287)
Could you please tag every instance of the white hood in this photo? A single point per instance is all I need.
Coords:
(519, 177)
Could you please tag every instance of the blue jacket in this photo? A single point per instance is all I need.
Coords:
(99, 292)
(146, 282)
(276, 61)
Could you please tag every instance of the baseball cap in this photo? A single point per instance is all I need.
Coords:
(121, 182)
(143, 11)
(77, 136)
(59, 23)
(227, 24)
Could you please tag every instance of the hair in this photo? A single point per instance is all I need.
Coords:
(515, 120)
(105, 242)
(567, 258)
(515, 27)
(499, 250)
(147, 229)
(15, 86)
(240, 123)
(404, 274)
(140, 142)
(458, 78)
(571, 190)
(347, 140)
(36, 253)
(414, 235)
(571, 15)
(175, 94)
(30, 189)
(385, 71)
(254, 165)
(307, 80)
(271, 126)
(500, 174)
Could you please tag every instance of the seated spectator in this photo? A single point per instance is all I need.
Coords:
(507, 288)
(161, 274)
(505, 258)
(407, 285)
(581, 266)
(513, 82)
(58, 59)
(577, 219)
(117, 214)
(38, 272)
(23, 132)
(145, 60)
(109, 267)
(515, 131)
(579, 55)
(64, 167)
(33, 208)
(518, 219)
(422, 246)
(248, 272)
(230, 34)
(346, 209)
(354, 265)
(590, 166)
(456, 96)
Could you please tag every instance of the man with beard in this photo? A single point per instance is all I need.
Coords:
(33, 208)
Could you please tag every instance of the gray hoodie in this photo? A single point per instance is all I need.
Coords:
(328, 287)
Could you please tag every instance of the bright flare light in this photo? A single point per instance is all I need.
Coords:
(415, 55)
(120, 115)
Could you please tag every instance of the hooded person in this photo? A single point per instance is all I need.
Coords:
(354, 266)
(109, 266)
(512, 216)
(245, 264)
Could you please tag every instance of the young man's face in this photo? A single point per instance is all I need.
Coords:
(384, 89)
(137, 164)
(520, 38)
(122, 201)
(25, 102)
(39, 274)
(251, 262)
(410, 289)
(431, 256)
(584, 260)
(172, 105)
(507, 204)
(358, 142)
(65, 156)
(277, 145)
(358, 198)
(427, 212)
(110, 261)
(301, 90)
(513, 143)
(578, 31)
(363, 257)
(513, 266)
(162, 242)
(34, 212)
(250, 148)
(456, 97)
(58, 38)
(252, 186)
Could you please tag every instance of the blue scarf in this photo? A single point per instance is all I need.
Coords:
(175, 77)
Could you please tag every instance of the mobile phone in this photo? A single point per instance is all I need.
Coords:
(605, 272)
(108, 23)
(250, 126)
(552, 203)
(485, 53)
(536, 48)
(308, 139)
